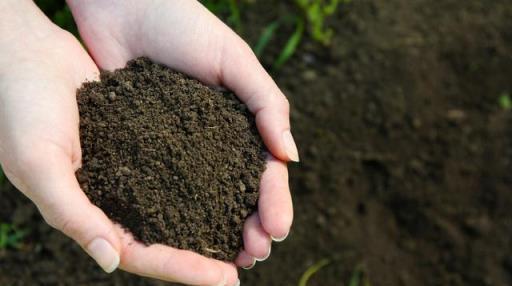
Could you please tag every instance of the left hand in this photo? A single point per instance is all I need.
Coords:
(185, 36)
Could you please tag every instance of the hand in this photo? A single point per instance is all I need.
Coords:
(185, 36)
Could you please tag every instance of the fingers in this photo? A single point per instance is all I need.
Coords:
(257, 242)
(170, 264)
(275, 202)
(245, 260)
(50, 182)
(230, 273)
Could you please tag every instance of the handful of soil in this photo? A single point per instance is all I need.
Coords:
(170, 159)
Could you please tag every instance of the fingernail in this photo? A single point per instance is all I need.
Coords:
(104, 254)
(237, 282)
(279, 239)
(223, 282)
(266, 257)
(250, 266)
(290, 146)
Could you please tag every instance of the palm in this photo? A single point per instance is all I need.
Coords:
(38, 102)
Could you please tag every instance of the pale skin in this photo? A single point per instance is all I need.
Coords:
(41, 66)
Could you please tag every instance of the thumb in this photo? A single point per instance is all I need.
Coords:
(52, 186)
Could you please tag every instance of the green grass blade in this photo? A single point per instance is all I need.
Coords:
(10, 236)
(15, 239)
(505, 101)
(234, 17)
(266, 36)
(4, 231)
(331, 7)
(355, 280)
(312, 270)
(291, 46)
(359, 277)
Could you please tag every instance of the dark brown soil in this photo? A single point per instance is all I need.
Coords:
(406, 154)
(172, 160)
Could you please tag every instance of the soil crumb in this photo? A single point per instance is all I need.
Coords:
(170, 159)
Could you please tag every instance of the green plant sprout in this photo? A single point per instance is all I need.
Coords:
(234, 17)
(505, 101)
(314, 15)
(11, 236)
(291, 45)
(312, 270)
(316, 12)
(266, 36)
(359, 277)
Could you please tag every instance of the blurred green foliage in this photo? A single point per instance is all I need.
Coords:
(291, 45)
(59, 13)
(505, 101)
(229, 9)
(312, 17)
(266, 36)
(11, 236)
(304, 279)
(315, 13)
(359, 277)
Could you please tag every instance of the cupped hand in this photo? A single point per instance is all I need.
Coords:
(187, 37)
(39, 139)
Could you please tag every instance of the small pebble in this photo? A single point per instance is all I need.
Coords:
(112, 96)
(455, 115)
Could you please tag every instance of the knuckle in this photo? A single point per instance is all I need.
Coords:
(246, 50)
(54, 221)
(62, 223)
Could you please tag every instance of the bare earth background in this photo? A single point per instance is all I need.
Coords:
(406, 154)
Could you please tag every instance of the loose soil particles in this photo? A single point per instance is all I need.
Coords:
(405, 154)
(172, 160)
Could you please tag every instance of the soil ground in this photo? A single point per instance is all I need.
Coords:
(406, 154)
